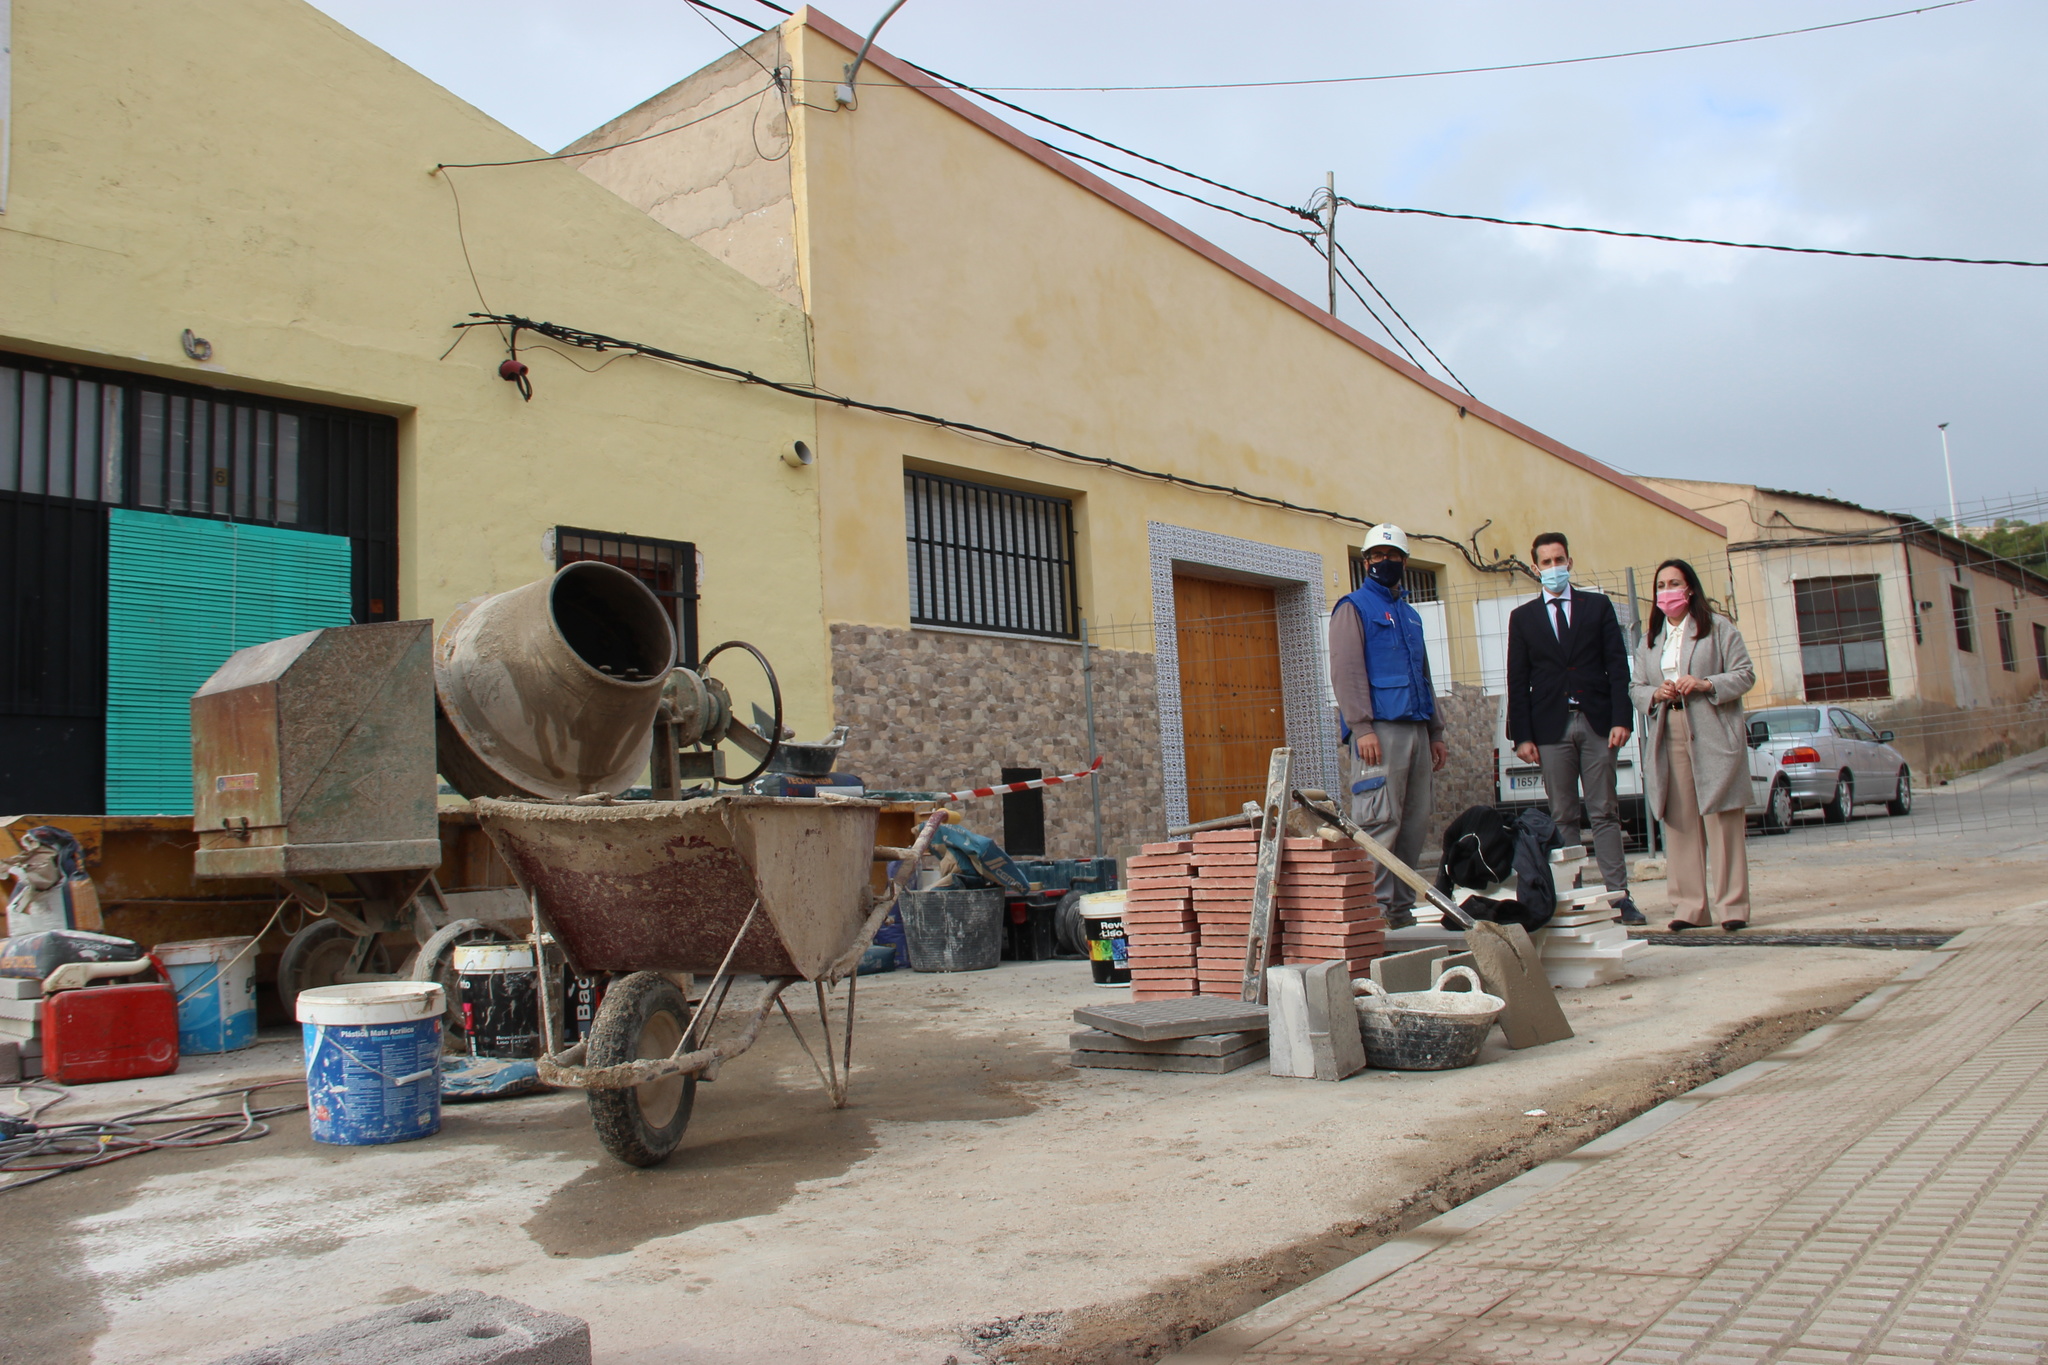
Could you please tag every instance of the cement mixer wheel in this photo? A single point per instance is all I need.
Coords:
(317, 955)
(643, 1015)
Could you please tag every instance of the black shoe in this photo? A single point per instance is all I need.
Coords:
(1679, 926)
(1629, 914)
(1733, 925)
(1400, 919)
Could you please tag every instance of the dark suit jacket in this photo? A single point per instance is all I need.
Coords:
(1591, 663)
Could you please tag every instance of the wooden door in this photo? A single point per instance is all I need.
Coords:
(1233, 712)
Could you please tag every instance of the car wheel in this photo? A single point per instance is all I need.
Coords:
(1778, 810)
(1842, 804)
(1902, 802)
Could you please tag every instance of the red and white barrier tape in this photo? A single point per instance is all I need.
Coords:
(1088, 771)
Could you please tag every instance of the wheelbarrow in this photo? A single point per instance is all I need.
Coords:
(719, 887)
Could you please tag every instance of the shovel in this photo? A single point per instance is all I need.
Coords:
(1331, 815)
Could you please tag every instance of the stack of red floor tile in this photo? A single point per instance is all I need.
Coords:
(1159, 921)
(1226, 863)
(1326, 904)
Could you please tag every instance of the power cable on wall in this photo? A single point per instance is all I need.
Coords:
(598, 342)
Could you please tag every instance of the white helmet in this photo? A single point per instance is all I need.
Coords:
(1388, 535)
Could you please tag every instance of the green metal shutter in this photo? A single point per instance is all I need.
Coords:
(183, 593)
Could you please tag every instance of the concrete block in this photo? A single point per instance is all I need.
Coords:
(20, 988)
(1208, 1045)
(1288, 1048)
(1168, 1061)
(10, 1063)
(1450, 961)
(464, 1327)
(1151, 1020)
(1334, 1035)
(1409, 971)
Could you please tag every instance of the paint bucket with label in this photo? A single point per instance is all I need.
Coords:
(497, 992)
(215, 980)
(1109, 955)
(373, 1061)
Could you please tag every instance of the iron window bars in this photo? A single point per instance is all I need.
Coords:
(987, 558)
(668, 567)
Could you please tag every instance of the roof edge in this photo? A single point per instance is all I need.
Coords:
(1088, 180)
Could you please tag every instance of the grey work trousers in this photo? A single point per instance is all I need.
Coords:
(1584, 763)
(1397, 814)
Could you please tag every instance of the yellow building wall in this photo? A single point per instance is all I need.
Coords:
(948, 272)
(253, 171)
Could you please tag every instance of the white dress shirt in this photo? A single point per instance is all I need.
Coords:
(1674, 641)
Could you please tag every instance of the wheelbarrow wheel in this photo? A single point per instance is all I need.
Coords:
(643, 1015)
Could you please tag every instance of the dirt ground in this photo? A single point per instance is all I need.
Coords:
(978, 1200)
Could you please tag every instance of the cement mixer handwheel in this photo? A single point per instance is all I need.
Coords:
(774, 693)
(316, 956)
(643, 1015)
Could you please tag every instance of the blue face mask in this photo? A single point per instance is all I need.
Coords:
(1386, 572)
(1556, 579)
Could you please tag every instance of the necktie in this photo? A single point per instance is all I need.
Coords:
(1557, 605)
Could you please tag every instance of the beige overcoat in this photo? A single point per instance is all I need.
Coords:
(1720, 742)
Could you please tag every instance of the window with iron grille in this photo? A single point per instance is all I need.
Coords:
(77, 440)
(986, 558)
(1420, 582)
(1841, 637)
(1959, 607)
(2008, 652)
(669, 567)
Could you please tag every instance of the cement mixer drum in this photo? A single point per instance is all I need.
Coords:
(551, 690)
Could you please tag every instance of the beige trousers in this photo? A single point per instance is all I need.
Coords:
(1689, 836)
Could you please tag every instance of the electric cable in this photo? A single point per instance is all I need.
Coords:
(1392, 335)
(45, 1151)
(1470, 70)
(1420, 339)
(599, 342)
(612, 147)
(1693, 241)
(1206, 203)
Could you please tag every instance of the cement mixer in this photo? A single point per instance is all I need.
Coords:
(315, 757)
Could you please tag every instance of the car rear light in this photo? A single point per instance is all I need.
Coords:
(1801, 755)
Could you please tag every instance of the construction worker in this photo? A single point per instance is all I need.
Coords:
(1393, 736)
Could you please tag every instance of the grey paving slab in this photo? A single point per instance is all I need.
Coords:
(1875, 1193)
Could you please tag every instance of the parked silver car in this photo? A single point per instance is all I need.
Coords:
(1824, 758)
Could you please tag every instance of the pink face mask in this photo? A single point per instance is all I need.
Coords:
(1671, 601)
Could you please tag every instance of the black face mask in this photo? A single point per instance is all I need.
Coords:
(1386, 572)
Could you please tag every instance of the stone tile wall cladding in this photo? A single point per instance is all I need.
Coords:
(935, 710)
(1468, 778)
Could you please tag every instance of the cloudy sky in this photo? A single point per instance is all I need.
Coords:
(1921, 134)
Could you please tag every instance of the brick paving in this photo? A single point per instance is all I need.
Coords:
(1874, 1192)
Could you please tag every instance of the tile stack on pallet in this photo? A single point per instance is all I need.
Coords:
(1159, 921)
(1226, 864)
(1326, 904)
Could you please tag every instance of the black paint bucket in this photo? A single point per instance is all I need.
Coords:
(497, 988)
(953, 931)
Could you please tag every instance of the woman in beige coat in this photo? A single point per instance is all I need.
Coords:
(1691, 671)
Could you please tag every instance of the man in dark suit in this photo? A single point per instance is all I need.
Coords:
(1568, 706)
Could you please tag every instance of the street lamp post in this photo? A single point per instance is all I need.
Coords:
(1949, 470)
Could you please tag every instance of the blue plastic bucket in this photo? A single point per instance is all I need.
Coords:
(373, 1061)
(215, 980)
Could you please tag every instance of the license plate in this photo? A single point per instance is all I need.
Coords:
(1523, 784)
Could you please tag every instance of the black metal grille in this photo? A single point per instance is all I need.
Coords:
(1420, 583)
(74, 441)
(669, 567)
(984, 558)
(1841, 637)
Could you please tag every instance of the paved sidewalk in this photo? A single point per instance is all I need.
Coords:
(1875, 1192)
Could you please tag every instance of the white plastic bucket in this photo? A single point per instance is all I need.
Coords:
(215, 982)
(373, 1061)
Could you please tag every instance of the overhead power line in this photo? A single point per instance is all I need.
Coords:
(1694, 241)
(598, 342)
(1474, 70)
(1341, 251)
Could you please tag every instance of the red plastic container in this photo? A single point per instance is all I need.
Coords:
(110, 1033)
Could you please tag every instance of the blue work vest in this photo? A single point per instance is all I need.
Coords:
(1396, 656)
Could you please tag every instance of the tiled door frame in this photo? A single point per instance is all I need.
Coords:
(1296, 577)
